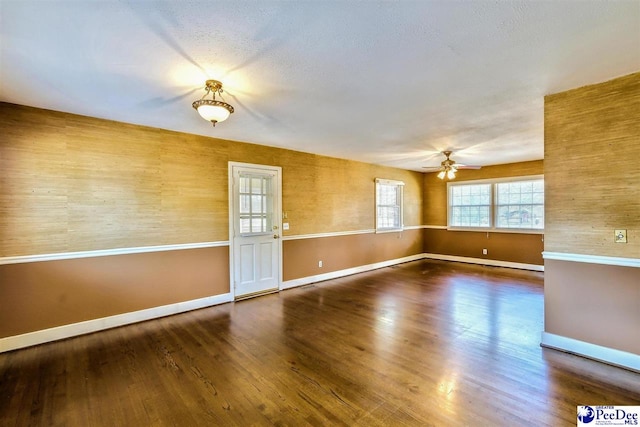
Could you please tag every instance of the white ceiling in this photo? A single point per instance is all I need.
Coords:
(392, 83)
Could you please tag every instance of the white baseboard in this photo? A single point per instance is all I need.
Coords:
(67, 331)
(347, 272)
(484, 261)
(607, 355)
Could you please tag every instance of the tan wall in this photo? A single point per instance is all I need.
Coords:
(592, 159)
(435, 189)
(71, 183)
(511, 247)
(592, 185)
(342, 252)
(41, 295)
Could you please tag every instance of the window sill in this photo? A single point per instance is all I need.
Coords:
(496, 230)
(389, 230)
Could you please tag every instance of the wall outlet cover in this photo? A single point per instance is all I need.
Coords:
(620, 236)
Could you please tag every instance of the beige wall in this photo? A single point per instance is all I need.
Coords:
(510, 247)
(71, 183)
(593, 303)
(592, 185)
(40, 295)
(343, 252)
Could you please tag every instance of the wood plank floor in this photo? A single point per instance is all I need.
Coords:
(423, 343)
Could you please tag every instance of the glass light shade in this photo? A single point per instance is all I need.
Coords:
(212, 110)
(441, 174)
(214, 113)
(451, 174)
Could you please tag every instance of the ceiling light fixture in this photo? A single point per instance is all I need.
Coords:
(213, 110)
(448, 167)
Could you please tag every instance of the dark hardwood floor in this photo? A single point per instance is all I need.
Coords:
(423, 343)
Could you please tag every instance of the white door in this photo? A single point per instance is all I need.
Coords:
(254, 227)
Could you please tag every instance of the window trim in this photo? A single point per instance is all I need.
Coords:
(492, 228)
(400, 185)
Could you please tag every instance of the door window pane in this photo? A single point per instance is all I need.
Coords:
(255, 195)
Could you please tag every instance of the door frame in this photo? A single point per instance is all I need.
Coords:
(277, 219)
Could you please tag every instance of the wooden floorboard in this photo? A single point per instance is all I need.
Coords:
(426, 343)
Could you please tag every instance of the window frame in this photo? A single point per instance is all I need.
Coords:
(493, 207)
(400, 189)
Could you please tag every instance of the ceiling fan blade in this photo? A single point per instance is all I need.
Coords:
(449, 163)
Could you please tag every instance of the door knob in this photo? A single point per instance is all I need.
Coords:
(275, 236)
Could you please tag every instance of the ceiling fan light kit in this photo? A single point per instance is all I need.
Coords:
(213, 110)
(448, 173)
(448, 168)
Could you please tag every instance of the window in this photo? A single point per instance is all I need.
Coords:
(388, 205)
(500, 204)
(520, 204)
(470, 205)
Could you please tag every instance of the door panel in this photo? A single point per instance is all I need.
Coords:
(247, 261)
(254, 217)
(266, 266)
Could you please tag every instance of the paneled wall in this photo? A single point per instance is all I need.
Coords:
(592, 186)
(508, 247)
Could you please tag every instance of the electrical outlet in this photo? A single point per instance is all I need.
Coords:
(320, 264)
(620, 236)
(485, 251)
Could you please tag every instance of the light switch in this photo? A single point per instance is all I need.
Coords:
(620, 236)
(285, 225)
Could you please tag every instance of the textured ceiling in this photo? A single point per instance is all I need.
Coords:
(392, 83)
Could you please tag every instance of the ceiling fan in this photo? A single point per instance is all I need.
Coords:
(448, 167)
